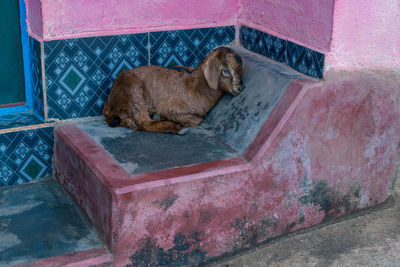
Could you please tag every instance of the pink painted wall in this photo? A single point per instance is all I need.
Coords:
(354, 34)
(366, 34)
(80, 18)
(306, 22)
(34, 18)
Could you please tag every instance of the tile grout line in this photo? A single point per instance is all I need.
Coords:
(148, 49)
(237, 33)
(285, 54)
(43, 81)
(27, 128)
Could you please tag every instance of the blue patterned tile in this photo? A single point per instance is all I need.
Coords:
(25, 155)
(18, 120)
(305, 60)
(36, 77)
(80, 72)
(187, 47)
(298, 57)
(263, 43)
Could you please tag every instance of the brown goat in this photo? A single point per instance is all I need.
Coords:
(180, 96)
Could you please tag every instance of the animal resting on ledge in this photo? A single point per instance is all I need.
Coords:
(180, 97)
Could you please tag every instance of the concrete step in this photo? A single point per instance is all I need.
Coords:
(41, 226)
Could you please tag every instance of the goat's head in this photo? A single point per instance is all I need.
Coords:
(223, 69)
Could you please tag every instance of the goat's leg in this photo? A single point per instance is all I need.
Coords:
(187, 120)
(161, 126)
(127, 103)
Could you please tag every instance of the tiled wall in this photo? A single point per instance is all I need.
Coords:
(298, 57)
(188, 47)
(25, 155)
(80, 72)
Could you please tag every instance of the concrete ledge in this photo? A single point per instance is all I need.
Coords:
(314, 158)
(111, 196)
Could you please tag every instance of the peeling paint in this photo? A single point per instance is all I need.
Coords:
(167, 202)
(185, 252)
(330, 202)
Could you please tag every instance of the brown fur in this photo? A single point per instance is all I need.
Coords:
(181, 97)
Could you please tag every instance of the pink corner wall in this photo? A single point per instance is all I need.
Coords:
(306, 22)
(353, 34)
(366, 35)
(34, 18)
(80, 18)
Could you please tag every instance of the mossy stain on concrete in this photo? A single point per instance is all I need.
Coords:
(185, 252)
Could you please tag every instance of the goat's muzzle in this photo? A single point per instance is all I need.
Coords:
(115, 121)
(237, 89)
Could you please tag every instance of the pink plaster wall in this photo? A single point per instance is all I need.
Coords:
(80, 18)
(366, 34)
(34, 18)
(354, 34)
(306, 22)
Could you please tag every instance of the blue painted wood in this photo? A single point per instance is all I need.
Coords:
(29, 98)
(10, 110)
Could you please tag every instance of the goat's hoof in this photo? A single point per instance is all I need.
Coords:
(183, 131)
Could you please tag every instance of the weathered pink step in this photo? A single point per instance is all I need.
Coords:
(255, 170)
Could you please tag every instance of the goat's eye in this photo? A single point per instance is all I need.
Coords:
(227, 73)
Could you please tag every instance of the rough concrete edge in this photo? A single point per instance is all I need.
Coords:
(108, 164)
(396, 193)
(138, 181)
(99, 179)
(265, 142)
(188, 173)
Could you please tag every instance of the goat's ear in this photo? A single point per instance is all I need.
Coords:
(212, 72)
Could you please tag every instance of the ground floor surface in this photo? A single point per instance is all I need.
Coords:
(370, 238)
(43, 224)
